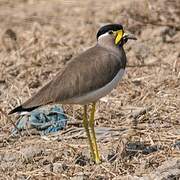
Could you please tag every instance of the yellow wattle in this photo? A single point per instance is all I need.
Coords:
(119, 36)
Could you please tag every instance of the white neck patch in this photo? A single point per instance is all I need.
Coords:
(103, 35)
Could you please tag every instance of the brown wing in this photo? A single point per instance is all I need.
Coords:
(91, 70)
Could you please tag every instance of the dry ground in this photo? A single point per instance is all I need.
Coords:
(141, 116)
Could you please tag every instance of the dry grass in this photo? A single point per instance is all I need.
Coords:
(39, 37)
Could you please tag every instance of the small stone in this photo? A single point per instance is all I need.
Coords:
(81, 160)
(48, 167)
(57, 167)
(176, 145)
(10, 157)
(142, 51)
(80, 176)
(30, 152)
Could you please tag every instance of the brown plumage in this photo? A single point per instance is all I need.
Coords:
(89, 71)
(84, 75)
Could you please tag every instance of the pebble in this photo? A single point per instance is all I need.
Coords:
(80, 176)
(57, 167)
(31, 151)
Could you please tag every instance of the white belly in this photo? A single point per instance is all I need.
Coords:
(97, 94)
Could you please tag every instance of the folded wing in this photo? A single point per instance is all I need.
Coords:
(90, 71)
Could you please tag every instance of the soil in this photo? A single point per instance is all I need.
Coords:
(138, 123)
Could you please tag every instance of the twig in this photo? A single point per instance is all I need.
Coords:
(74, 123)
(108, 170)
(174, 65)
(2, 81)
(5, 114)
(137, 113)
(141, 65)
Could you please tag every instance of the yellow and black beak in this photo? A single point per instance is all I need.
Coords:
(119, 35)
(129, 36)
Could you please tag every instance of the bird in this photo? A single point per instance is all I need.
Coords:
(85, 79)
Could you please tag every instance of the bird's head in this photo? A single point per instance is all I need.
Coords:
(114, 32)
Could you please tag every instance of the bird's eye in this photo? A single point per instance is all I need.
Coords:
(110, 32)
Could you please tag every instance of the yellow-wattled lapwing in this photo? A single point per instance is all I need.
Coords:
(86, 79)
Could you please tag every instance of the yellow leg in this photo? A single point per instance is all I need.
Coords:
(86, 126)
(93, 134)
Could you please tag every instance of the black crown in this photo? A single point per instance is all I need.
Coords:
(109, 27)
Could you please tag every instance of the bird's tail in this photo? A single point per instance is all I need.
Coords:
(34, 102)
(20, 109)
